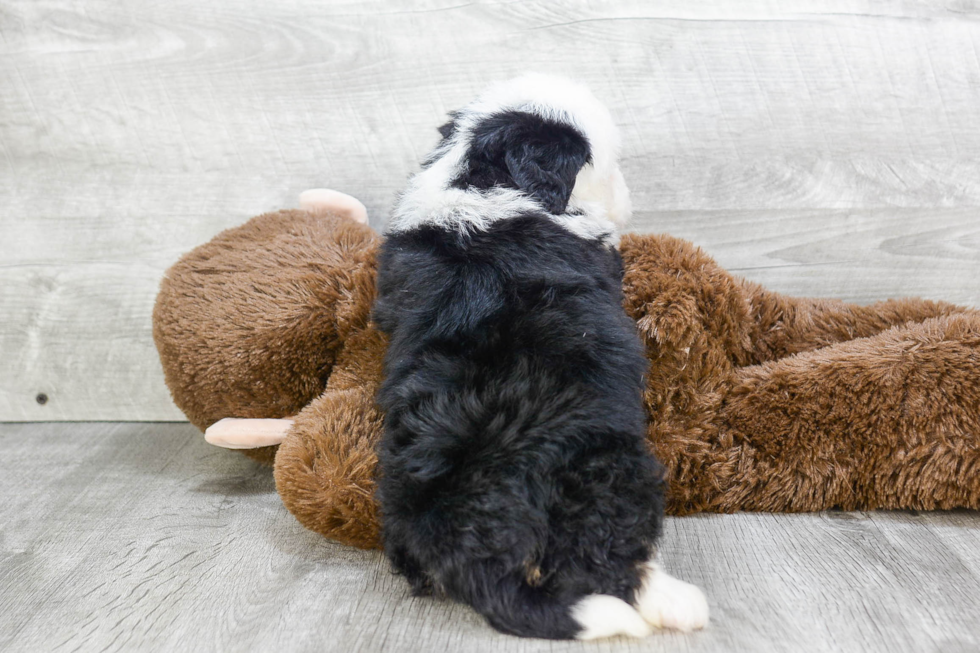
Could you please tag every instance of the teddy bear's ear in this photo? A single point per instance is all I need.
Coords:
(539, 156)
(332, 201)
(233, 433)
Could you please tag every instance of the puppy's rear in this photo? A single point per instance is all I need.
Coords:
(514, 470)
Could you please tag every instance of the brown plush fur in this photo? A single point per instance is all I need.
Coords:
(757, 401)
(763, 402)
(251, 323)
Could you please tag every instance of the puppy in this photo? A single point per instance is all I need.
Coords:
(514, 471)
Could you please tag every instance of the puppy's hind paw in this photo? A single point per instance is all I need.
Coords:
(601, 615)
(666, 602)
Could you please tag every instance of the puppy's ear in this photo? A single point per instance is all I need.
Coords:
(540, 157)
(449, 128)
(546, 171)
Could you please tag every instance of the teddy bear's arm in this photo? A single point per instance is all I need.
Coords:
(326, 465)
(682, 299)
(782, 326)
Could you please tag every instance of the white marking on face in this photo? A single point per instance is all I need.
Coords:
(599, 202)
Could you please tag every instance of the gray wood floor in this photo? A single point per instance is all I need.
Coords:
(823, 147)
(117, 537)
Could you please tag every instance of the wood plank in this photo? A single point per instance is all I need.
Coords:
(816, 147)
(859, 255)
(142, 537)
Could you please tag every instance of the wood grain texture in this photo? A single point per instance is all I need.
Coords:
(824, 148)
(117, 537)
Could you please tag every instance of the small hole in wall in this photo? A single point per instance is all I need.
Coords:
(41, 398)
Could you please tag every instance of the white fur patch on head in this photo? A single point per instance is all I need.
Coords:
(601, 615)
(599, 202)
(666, 602)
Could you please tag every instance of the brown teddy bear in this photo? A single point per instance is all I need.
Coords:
(757, 401)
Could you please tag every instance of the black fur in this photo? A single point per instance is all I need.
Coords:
(520, 150)
(515, 474)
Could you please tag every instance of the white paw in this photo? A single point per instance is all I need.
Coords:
(601, 615)
(666, 602)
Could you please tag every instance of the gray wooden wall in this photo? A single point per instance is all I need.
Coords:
(825, 148)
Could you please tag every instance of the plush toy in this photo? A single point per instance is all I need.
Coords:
(757, 401)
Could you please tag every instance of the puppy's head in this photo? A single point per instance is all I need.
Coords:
(533, 143)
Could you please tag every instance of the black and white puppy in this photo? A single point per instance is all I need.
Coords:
(514, 470)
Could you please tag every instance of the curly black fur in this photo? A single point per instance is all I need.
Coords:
(515, 476)
(513, 149)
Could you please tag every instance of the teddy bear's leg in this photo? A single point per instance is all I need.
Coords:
(325, 467)
(705, 331)
(884, 422)
(249, 324)
(782, 326)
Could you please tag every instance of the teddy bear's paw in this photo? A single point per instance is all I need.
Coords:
(324, 199)
(672, 320)
(666, 602)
